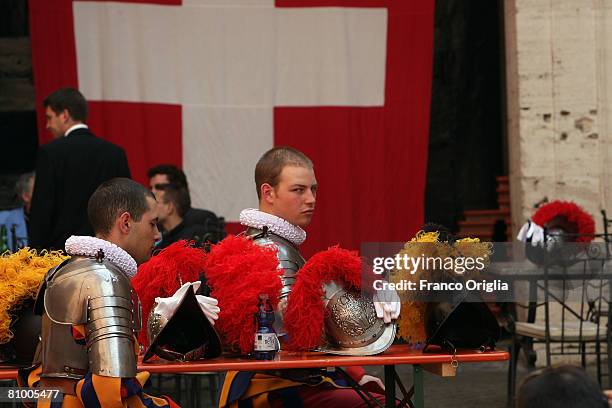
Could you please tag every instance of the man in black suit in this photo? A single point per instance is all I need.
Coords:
(68, 171)
(193, 218)
(173, 203)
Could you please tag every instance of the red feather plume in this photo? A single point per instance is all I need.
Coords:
(572, 212)
(305, 313)
(238, 271)
(162, 275)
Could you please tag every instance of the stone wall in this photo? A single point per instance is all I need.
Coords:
(17, 97)
(559, 59)
(16, 85)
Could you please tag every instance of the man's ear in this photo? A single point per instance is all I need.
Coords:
(124, 222)
(65, 116)
(267, 193)
(171, 207)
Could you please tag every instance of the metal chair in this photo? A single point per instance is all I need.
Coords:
(580, 325)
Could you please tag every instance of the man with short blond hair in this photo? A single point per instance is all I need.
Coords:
(272, 163)
(287, 191)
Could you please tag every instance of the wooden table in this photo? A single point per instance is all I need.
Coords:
(438, 363)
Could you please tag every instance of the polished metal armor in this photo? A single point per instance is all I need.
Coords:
(351, 325)
(289, 260)
(94, 293)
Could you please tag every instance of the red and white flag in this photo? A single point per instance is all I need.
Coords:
(210, 85)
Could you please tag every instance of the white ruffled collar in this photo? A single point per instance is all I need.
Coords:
(252, 217)
(90, 246)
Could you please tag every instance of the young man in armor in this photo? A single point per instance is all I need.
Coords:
(287, 191)
(90, 312)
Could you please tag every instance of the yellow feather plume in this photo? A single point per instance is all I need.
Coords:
(20, 276)
(411, 323)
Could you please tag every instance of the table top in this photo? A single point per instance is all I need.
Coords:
(395, 355)
(8, 372)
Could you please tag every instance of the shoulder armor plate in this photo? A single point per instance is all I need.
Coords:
(289, 257)
(71, 287)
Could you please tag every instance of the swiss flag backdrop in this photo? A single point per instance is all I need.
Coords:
(210, 85)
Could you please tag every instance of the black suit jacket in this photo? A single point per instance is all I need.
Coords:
(198, 225)
(68, 171)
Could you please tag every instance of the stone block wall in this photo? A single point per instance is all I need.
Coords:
(559, 59)
(16, 85)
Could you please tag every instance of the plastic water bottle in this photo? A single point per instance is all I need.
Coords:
(266, 342)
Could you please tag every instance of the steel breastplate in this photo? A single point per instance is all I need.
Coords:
(93, 294)
(289, 260)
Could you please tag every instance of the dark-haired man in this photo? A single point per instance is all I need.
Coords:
(173, 204)
(199, 222)
(68, 170)
(560, 387)
(89, 310)
(166, 174)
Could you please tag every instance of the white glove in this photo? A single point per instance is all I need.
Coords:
(167, 306)
(387, 304)
(522, 234)
(531, 230)
(207, 304)
(370, 378)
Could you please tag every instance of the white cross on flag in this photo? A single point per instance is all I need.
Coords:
(210, 85)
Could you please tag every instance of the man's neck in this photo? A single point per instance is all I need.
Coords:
(108, 239)
(73, 126)
(116, 253)
(270, 211)
(277, 225)
(171, 222)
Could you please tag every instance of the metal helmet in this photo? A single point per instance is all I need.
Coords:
(327, 311)
(186, 335)
(559, 247)
(568, 230)
(351, 326)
